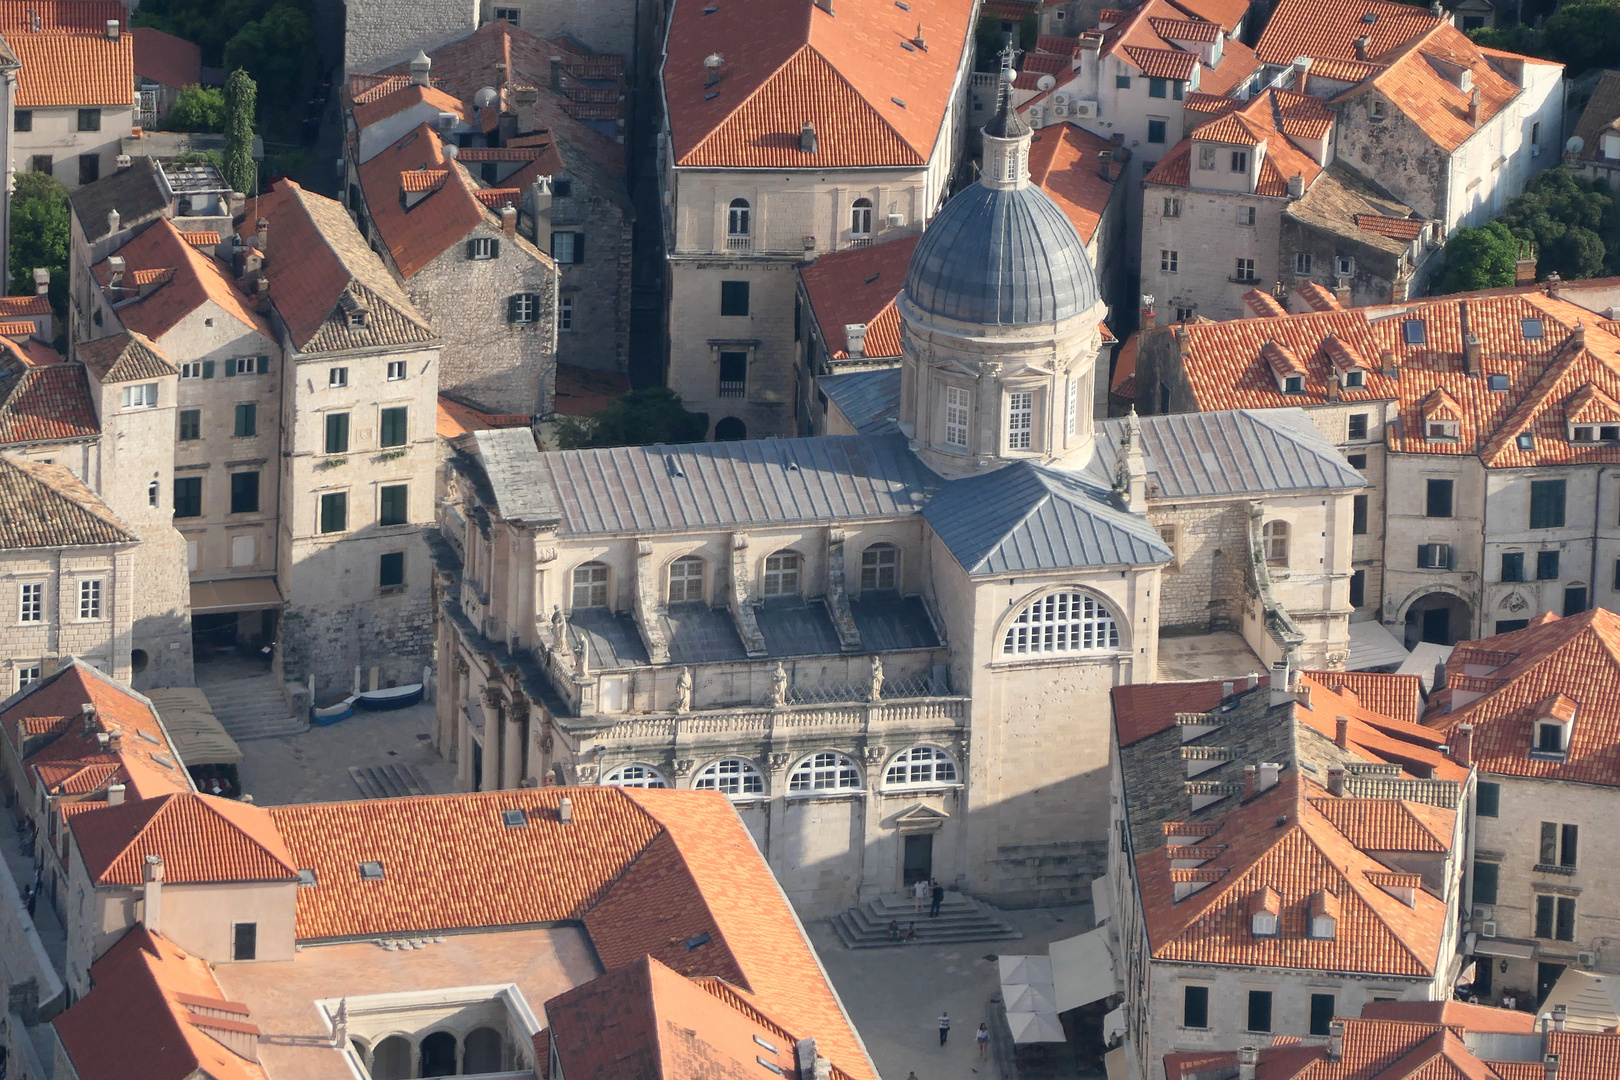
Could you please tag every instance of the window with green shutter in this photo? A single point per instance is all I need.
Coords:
(393, 507)
(393, 426)
(1485, 877)
(334, 511)
(1489, 800)
(391, 569)
(187, 496)
(208, 369)
(247, 420)
(1546, 504)
(190, 424)
(245, 493)
(337, 433)
(264, 365)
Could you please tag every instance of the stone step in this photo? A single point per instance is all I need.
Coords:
(248, 730)
(252, 708)
(961, 919)
(388, 781)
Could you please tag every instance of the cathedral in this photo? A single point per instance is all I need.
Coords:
(892, 652)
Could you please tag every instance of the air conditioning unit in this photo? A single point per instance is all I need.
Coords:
(1060, 110)
(1587, 959)
(1060, 100)
(1487, 928)
(896, 220)
(1484, 911)
(1085, 108)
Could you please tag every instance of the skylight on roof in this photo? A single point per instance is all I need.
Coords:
(711, 95)
(697, 942)
(771, 1065)
(767, 1045)
(371, 871)
(1416, 331)
(1527, 442)
(1534, 329)
(1498, 381)
(514, 819)
(307, 878)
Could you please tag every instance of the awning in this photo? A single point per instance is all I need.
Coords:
(242, 594)
(1497, 947)
(1424, 658)
(1025, 969)
(198, 736)
(1114, 1025)
(1372, 646)
(1028, 997)
(1028, 1027)
(1101, 900)
(1083, 969)
(1114, 1061)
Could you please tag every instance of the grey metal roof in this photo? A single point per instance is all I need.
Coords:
(890, 622)
(869, 400)
(1026, 517)
(1233, 452)
(638, 489)
(512, 463)
(1002, 258)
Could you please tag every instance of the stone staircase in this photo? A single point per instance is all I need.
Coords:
(249, 701)
(961, 918)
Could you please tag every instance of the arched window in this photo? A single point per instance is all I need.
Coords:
(920, 765)
(1062, 622)
(391, 1058)
(826, 771)
(686, 580)
(737, 218)
(730, 429)
(635, 775)
(591, 585)
(1274, 534)
(731, 776)
(860, 220)
(438, 1055)
(483, 1052)
(880, 567)
(782, 574)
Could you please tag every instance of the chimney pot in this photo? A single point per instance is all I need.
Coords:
(1253, 679)
(113, 29)
(112, 220)
(152, 895)
(1249, 781)
(42, 280)
(1302, 69)
(565, 810)
(509, 217)
(1550, 1063)
(1577, 337)
(1296, 186)
(1226, 691)
(1247, 1057)
(1335, 781)
(1267, 775)
(1336, 1040)
(1473, 107)
(1560, 1014)
(1462, 745)
(115, 271)
(421, 69)
(262, 235)
(807, 138)
(1341, 732)
(1361, 44)
(115, 794)
(1471, 354)
(1281, 676)
(712, 65)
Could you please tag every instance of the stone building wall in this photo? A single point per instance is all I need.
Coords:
(104, 641)
(378, 33)
(1207, 240)
(1205, 588)
(598, 289)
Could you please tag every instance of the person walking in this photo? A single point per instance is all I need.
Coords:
(919, 893)
(983, 1038)
(939, 898)
(944, 1027)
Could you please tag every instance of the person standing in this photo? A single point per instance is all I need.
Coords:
(944, 1027)
(983, 1038)
(939, 898)
(919, 893)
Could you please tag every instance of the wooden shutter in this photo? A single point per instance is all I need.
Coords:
(512, 303)
(264, 365)
(208, 369)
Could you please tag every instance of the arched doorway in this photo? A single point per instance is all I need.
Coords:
(439, 1054)
(1438, 618)
(391, 1059)
(730, 429)
(483, 1052)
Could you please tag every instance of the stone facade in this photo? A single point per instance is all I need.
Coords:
(593, 294)
(70, 153)
(32, 650)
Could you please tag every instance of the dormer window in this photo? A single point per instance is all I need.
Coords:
(1550, 737)
(1324, 913)
(1294, 384)
(1355, 380)
(1265, 912)
(357, 320)
(1442, 430)
(1555, 722)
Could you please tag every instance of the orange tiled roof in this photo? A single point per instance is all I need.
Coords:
(200, 838)
(433, 224)
(1498, 684)
(786, 63)
(1064, 162)
(455, 419)
(40, 402)
(1433, 102)
(1227, 13)
(45, 506)
(1238, 62)
(1398, 696)
(16, 329)
(1375, 736)
(1398, 228)
(124, 357)
(71, 61)
(495, 198)
(1328, 29)
(12, 306)
(626, 852)
(140, 1010)
(165, 59)
(1185, 29)
(187, 277)
(860, 285)
(1144, 709)
(1318, 296)
(1253, 124)
(1263, 305)
(1163, 63)
(1455, 1014)
(390, 99)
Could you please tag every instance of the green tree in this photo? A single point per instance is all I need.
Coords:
(240, 95)
(39, 235)
(197, 108)
(1574, 224)
(273, 49)
(1479, 258)
(1581, 34)
(639, 418)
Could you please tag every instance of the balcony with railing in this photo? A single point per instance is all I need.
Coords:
(739, 243)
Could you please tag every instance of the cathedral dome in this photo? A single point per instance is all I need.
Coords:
(1002, 256)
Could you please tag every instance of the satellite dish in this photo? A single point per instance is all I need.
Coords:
(1575, 144)
(1046, 82)
(485, 97)
(451, 150)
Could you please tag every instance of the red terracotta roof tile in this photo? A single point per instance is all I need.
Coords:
(1163, 63)
(1433, 102)
(1238, 63)
(1455, 1014)
(187, 277)
(391, 99)
(165, 59)
(70, 61)
(125, 357)
(199, 837)
(860, 285)
(1144, 709)
(1397, 696)
(16, 329)
(1263, 305)
(12, 306)
(44, 402)
(456, 419)
(1065, 162)
(1186, 29)
(1323, 29)
(499, 197)
(45, 506)
(433, 224)
(1399, 228)
(1226, 13)
(787, 63)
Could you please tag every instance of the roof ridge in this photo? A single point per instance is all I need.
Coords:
(298, 197)
(1531, 403)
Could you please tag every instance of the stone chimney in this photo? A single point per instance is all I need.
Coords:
(1550, 1063)
(1473, 107)
(261, 236)
(1105, 165)
(1296, 186)
(1281, 675)
(855, 340)
(152, 895)
(1267, 775)
(42, 280)
(1341, 292)
(1471, 354)
(540, 210)
(87, 714)
(1462, 745)
(525, 100)
(421, 69)
(115, 272)
(1341, 732)
(113, 29)
(556, 74)
(1577, 337)
(1248, 1057)
(509, 221)
(565, 810)
(112, 220)
(1335, 781)
(1361, 44)
(115, 740)
(1555, 285)
(1336, 1041)
(1524, 268)
(807, 138)
(1302, 71)
(1560, 1013)
(1250, 782)
(115, 794)
(123, 161)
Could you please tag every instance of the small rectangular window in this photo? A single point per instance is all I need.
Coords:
(1156, 131)
(733, 374)
(1533, 329)
(734, 298)
(1259, 1010)
(245, 493)
(1245, 215)
(1546, 565)
(337, 377)
(509, 14)
(393, 505)
(247, 420)
(42, 163)
(192, 370)
(565, 313)
(391, 569)
(1357, 461)
(1240, 161)
(957, 406)
(90, 599)
(1158, 88)
(337, 433)
(1569, 845)
(143, 396)
(1564, 930)
(1302, 264)
(393, 426)
(1358, 589)
(1244, 270)
(190, 425)
(1485, 879)
(523, 308)
(1195, 1007)
(1358, 517)
(1206, 158)
(1546, 504)
(568, 247)
(1497, 382)
(1172, 207)
(31, 603)
(1122, 82)
(1169, 260)
(1437, 504)
(1321, 1013)
(480, 248)
(187, 496)
(1488, 802)
(27, 676)
(1020, 419)
(23, 120)
(334, 511)
(245, 941)
(1574, 600)
(396, 370)
(1512, 566)
(89, 119)
(1358, 427)
(1544, 916)
(1508, 626)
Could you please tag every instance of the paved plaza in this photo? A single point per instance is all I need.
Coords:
(313, 766)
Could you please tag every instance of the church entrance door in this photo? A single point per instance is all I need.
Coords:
(919, 864)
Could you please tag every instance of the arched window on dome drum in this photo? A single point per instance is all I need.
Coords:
(918, 766)
(731, 776)
(635, 775)
(737, 218)
(826, 771)
(1064, 622)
